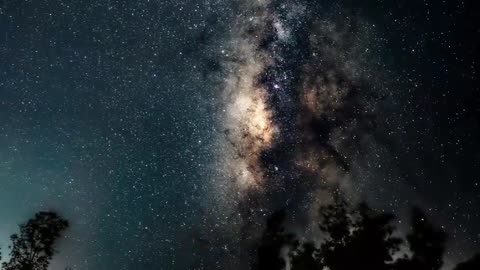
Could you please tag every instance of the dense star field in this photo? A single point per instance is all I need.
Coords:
(168, 132)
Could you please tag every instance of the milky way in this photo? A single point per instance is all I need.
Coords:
(298, 98)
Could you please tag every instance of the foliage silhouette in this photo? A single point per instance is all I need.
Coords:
(356, 238)
(273, 240)
(306, 257)
(33, 248)
(369, 243)
(472, 264)
(353, 237)
(426, 243)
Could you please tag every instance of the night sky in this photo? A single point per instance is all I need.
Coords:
(166, 131)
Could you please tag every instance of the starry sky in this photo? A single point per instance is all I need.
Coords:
(166, 131)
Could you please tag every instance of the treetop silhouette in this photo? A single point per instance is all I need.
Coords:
(34, 246)
(357, 238)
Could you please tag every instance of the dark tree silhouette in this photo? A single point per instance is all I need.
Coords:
(336, 224)
(362, 237)
(472, 264)
(426, 243)
(33, 248)
(357, 238)
(273, 240)
(371, 244)
(305, 258)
